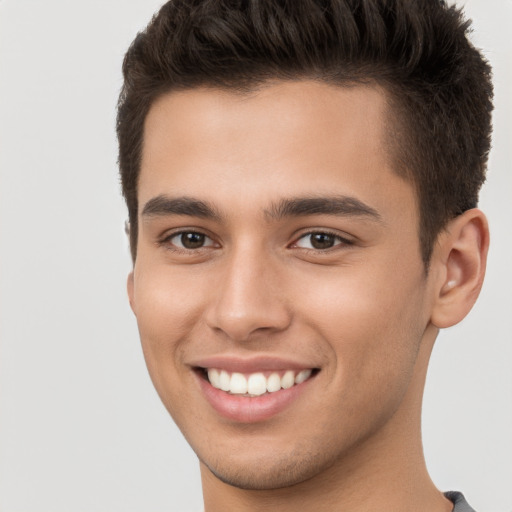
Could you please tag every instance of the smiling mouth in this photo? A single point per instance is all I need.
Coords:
(257, 383)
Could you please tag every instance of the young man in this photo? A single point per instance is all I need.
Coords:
(302, 180)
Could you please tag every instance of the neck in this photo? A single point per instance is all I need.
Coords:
(384, 473)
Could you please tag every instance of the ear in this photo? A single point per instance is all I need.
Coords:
(459, 259)
(130, 287)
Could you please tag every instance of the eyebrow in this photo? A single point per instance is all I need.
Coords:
(332, 205)
(162, 205)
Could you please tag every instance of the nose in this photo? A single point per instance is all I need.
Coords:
(250, 298)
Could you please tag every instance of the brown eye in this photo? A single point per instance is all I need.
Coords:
(320, 240)
(191, 240)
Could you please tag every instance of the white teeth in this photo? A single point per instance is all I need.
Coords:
(255, 384)
(224, 381)
(302, 376)
(273, 383)
(238, 384)
(288, 380)
(214, 377)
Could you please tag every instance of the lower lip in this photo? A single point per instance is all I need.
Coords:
(245, 409)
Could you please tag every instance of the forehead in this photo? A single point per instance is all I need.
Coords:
(287, 138)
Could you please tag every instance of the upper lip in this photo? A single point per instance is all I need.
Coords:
(252, 364)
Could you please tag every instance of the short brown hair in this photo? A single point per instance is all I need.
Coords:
(439, 85)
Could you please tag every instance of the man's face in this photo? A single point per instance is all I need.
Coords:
(275, 241)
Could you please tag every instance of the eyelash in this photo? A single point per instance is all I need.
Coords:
(339, 241)
(166, 241)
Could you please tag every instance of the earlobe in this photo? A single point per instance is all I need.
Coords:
(461, 256)
(130, 288)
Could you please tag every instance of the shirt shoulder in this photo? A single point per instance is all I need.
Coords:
(459, 502)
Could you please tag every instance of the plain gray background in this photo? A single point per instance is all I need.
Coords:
(81, 428)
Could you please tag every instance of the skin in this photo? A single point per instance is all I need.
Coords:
(364, 312)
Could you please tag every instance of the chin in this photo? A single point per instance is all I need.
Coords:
(280, 472)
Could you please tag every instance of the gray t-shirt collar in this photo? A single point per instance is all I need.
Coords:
(459, 502)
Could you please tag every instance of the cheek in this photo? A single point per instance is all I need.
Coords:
(168, 305)
(372, 322)
(168, 309)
